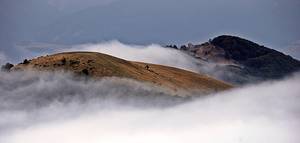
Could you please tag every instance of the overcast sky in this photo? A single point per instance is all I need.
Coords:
(273, 23)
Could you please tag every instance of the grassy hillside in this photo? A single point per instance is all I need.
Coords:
(97, 65)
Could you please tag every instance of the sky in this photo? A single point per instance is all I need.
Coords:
(273, 23)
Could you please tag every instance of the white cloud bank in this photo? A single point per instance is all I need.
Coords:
(268, 112)
(155, 54)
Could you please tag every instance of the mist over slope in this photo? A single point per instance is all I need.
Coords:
(153, 53)
(228, 58)
(55, 108)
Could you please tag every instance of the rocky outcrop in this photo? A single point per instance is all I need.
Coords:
(241, 61)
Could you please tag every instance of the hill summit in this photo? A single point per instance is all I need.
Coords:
(241, 61)
(97, 65)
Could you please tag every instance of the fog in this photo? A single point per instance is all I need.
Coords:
(56, 107)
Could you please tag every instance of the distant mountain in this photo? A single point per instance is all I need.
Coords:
(97, 65)
(239, 61)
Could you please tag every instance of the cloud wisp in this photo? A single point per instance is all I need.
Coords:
(56, 108)
(158, 54)
(155, 54)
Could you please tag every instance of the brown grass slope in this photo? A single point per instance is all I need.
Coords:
(97, 65)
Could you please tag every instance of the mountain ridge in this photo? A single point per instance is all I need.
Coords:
(244, 60)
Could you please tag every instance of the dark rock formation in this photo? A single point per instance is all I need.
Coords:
(241, 61)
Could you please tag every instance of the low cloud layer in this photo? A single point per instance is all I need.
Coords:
(58, 108)
(28, 97)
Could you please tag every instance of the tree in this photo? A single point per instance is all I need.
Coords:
(171, 46)
(183, 47)
(85, 72)
(63, 61)
(25, 62)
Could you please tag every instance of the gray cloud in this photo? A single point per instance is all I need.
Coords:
(57, 108)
